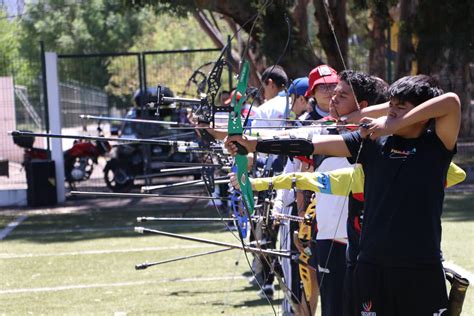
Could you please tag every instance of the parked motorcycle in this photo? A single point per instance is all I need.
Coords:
(79, 160)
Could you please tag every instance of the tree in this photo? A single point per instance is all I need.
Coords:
(9, 44)
(335, 44)
(268, 34)
(440, 39)
(89, 27)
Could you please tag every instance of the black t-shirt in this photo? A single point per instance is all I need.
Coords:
(404, 193)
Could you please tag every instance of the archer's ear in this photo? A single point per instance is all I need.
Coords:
(363, 104)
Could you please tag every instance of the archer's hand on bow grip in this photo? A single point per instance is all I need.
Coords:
(237, 144)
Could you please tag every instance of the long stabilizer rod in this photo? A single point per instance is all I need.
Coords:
(145, 265)
(98, 138)
(119, 119)
(143, 230)
(148, 195)
(183, 219)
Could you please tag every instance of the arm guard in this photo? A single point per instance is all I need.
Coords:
(285, 146)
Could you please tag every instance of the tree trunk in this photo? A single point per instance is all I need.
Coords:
(378, 48)
(218, 39)
(337, 11)
(300, 16)
(445, 50)
(406, 51)
(270, 35)
(298, 58)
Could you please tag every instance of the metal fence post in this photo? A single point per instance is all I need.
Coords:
(54, 110)
(45, 94)
(229, 59)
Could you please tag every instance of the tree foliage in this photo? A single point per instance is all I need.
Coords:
(9, 42)
(89, 27)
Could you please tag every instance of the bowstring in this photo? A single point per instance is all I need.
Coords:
(329, 16)
(259, 13)
(264, 256)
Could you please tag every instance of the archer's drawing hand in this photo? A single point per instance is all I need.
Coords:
(375, 128)
(249, 143)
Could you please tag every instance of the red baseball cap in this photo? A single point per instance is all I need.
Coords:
(322, 74)
(229, 99)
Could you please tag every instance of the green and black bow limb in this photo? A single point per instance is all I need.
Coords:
(235, 127)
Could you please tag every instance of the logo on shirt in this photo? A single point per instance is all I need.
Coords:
(397, 154)
(324, 183)
(367, 309)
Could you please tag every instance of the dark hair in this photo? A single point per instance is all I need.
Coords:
(277, 74)
(365, 86)
(414, 89)
(381, 89)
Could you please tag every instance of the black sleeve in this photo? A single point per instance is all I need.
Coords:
(291, 146)
(353, 142)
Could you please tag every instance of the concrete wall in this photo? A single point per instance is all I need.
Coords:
(8, 121)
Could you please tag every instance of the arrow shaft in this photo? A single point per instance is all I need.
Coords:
(183, 219)
(134, 195)
(182, 184)
(98, 138)
(119, 119)
(213, 242)
(147, 265)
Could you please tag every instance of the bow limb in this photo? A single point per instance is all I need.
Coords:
(308, 278)
(235, 128)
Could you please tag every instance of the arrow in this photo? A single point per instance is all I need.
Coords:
(220, 180)
(145, 265)
(134, 195)
(143, 230)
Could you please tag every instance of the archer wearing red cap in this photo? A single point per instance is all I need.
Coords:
(322, 82)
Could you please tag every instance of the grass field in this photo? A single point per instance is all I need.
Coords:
(81, 262)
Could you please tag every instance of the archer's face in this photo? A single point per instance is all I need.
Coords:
(299, 105)
(398, 109)
(270, 90)
(343, 100)
(323, 93)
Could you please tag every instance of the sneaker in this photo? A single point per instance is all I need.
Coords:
(258, 277)
(266, 291)
(216, 203)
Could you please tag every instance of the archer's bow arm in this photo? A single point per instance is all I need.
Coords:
(337, 182)
(334, 182)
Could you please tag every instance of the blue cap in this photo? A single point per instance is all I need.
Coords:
(299, 86)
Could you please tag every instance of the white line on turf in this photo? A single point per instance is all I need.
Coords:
(87, 230)
(11, 226)
(120, 284)
(97, 252)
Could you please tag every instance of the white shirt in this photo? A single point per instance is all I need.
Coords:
(332, 210)
(275, 108)
(284, 198)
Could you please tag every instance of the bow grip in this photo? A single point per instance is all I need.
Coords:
(241, 150)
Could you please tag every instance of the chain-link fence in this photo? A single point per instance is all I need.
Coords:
(106, 85)
(22, 107)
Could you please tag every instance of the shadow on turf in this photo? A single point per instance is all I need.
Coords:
(247, 303)
(458, 206)
(110, 223)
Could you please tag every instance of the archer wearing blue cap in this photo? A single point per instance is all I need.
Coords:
(297, 92)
